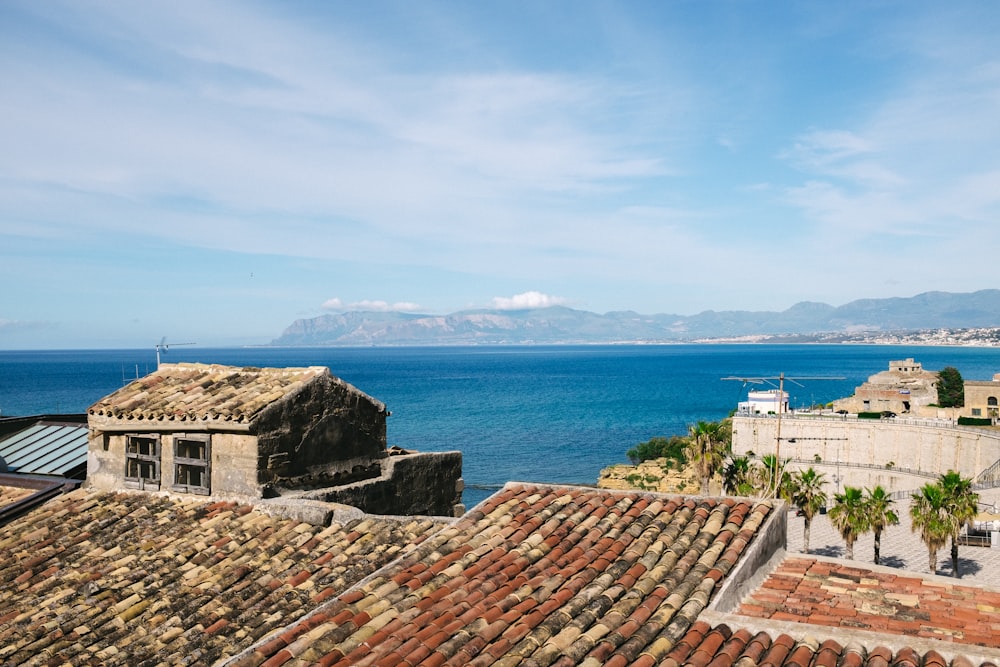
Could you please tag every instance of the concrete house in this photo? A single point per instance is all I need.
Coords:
(764, 402)
(250, 433)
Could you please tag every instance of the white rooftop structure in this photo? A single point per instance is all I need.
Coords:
(766, 401)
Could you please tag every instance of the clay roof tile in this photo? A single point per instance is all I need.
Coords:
(192, 392)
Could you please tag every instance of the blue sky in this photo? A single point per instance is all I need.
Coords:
(211, 172)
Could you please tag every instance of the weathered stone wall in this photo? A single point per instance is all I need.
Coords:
(234, 465)
(324, 429)
(105, 461)
(416, 484)
(233, 462)
(886, 452)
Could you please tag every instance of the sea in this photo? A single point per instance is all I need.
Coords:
(527, 413)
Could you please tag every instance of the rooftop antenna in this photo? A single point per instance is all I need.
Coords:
(781, 408)
(163, 346)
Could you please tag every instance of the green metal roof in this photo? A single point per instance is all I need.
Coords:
(46, 448)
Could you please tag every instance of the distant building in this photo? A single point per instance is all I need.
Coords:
(982, 398)
(902, 389)
(764, 402)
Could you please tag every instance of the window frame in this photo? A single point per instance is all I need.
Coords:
(185, 465)
(143, 461)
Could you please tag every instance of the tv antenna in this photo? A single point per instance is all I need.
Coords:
(781, 377)
(163, 346)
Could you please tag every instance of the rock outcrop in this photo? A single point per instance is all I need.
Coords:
(655, 475)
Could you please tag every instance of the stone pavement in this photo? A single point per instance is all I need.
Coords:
(901, 547)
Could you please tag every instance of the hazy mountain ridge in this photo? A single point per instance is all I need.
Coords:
(559, 324)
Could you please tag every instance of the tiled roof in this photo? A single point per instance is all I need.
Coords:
(193, 392)
(10, 494)
(721, 646)
(139, 579)
(831, 593)
(46, 448)
(536, 575)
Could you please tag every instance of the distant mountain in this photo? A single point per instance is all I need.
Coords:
(558, 324)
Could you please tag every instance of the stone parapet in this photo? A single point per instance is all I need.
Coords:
(892, 453)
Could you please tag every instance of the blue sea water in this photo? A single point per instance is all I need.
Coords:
(546, 414)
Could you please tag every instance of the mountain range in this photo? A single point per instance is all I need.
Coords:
(562, 325)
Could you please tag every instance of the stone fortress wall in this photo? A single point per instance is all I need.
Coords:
(900, 455)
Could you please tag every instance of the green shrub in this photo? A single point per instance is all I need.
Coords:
(974, 421)
(869, 415)
(659, 447)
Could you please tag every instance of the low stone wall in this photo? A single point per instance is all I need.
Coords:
(428, 484)
(767, 549)
(895, 454)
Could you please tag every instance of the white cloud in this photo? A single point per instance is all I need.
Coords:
(527, 301)
(370, 305)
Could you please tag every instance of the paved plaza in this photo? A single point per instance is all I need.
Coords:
(901, 547)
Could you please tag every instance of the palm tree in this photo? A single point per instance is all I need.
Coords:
(880, 515)
(850, 516)
(806, 491)
(707, 449)
(929, 515)
(962, 504)
(772, 477)
(737, 476)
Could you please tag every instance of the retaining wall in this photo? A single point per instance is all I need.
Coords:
(893, 453)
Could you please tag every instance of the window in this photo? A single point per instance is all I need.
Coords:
(976, 412)
(142, 461)
(192, 456)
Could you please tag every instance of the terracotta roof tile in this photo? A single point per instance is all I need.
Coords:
(536, 575)
(838, 594)
(721, 647)
(123, 579)
(206, 392)
(550, 575)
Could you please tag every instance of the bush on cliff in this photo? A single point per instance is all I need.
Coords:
(659, 447)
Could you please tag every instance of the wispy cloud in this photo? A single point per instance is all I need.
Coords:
(921, 161)
(645, 157)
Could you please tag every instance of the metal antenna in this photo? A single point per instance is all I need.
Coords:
(781, 408)
(164, 346)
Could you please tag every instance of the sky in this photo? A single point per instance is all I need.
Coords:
(212, 172)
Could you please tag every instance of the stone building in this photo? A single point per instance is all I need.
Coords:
(249, 433)
(982, 398)
(904, 388)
